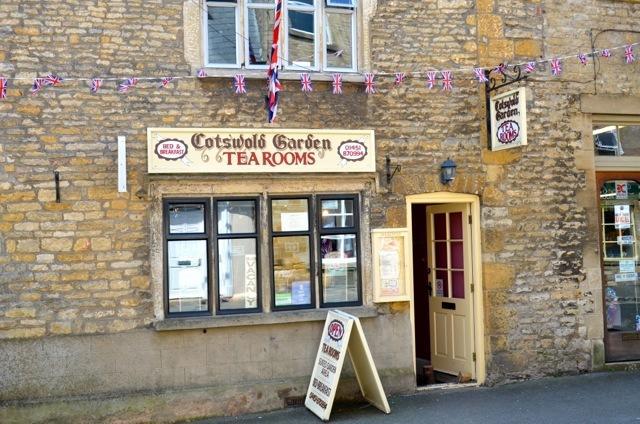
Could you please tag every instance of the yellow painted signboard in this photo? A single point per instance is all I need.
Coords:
(270, 150)
(342, 335)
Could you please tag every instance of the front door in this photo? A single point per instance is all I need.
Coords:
(449, 286)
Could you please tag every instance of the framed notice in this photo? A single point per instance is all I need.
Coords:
(508, 119)
(390, 266)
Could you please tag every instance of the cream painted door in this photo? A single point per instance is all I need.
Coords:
(450, 296)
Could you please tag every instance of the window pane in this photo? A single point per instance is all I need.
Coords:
(236, 216)
(337, 213)
(291, 271)
(630, 139)
(186, 219)
(617, 140)
(440, 226)
(339, 268)
(260, 35)
(301, 39)
(441, 286)
(457, 284)
(221, 24)
(290, 214)
(455, 225)
(342, 3)
(237, 274)
(338, 40)
(188, 288)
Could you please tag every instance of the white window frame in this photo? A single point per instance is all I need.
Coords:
(238, 37)
(320, 8)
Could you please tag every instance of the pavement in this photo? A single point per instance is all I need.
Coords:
(607, 397)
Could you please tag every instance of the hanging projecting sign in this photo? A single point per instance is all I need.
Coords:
(273, 150)
(508, 120)
(343, 334)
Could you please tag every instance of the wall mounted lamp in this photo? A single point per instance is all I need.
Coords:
(447, 171)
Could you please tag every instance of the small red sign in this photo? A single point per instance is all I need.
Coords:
(352, 150)
(336, 330)
(171, 149)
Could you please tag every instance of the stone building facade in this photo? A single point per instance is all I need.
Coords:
(84, 328)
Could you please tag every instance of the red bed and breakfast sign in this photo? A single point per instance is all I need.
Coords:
(223, 150)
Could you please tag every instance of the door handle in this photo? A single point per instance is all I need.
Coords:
(429, 288)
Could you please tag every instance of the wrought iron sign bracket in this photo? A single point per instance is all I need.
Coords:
(496, 78)
(388, 166)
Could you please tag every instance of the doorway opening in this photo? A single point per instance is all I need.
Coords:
(446, 304)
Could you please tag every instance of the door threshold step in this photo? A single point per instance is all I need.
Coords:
(446, 386)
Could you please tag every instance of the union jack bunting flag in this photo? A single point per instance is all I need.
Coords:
(556, 67)
(165, 82)
(447, 80)
(500, 68)
(239, 85)
(530, 67)
(582, 58)
(479, 73)
(431, 79)
(305, 82)
(202, 73)
(606, 53)
(38, 84)
(127, 85)
(369, 83)
(3, 88)
(52, 80)
(400, 76)
(337, 84)
(628, 54)
(274, 86)
(96, 84)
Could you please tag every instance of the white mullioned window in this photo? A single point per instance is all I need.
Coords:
(317, 35)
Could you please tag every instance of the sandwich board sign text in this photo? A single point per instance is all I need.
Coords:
(343, 334)
(508, 119)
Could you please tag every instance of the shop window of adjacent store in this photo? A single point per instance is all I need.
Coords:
(213, 250)
(619, 217)
(317, 35)
(616, 139)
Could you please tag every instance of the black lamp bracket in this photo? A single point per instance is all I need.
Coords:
(391, 174)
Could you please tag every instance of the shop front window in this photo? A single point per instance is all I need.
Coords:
(616, 140)
(619, 201)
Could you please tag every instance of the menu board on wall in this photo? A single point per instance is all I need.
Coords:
(390, 272)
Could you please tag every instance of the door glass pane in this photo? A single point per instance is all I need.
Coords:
(441, 286)
(337, 213)
(237, 274)
(338, 40)
(457, 255)
(339, 268)
(187, 263)
(260, 23)
(455, 225)
(440, 226)
(457, 284)
(301, 39)
(186, 219)
(290, 215)
(441, 254)
(236, 216)
(616, 140)
(221, 32)
(291, 270)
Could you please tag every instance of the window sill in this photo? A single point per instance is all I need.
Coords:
(286, 75)
(284, 317)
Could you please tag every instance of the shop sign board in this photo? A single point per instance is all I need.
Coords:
(622, 216)
(342, 335)
(259, 150)
(508, 119)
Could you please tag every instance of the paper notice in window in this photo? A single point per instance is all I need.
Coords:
(622, 190)
(622, 216)
(298, 221)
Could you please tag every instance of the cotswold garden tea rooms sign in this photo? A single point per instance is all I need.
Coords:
(509, 120)
(223, 150)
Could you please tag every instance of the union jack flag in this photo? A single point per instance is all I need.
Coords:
(239, 84)
(369, 83)
(52, 80)
(96, 84)
(127, 85)
(431, 79)
(305, 82)
(274, 84)
(38, 84)
(628, 54)
(3, 88)
(337, 84)
(530, 67)
(582, 58)
(447, 81)
(479, 72)
(400, 76)
(202, 73)
(165, 82)
(556, 67)
(606, 53)
(500, 68)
